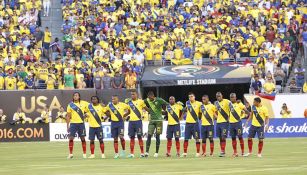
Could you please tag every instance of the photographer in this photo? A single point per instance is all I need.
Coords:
(19, 117)
(45, 115)
(2, 117)
(61, 116)
(285, 112)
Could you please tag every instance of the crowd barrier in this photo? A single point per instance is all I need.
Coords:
(55, 132)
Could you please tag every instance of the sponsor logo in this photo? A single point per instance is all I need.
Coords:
(187, 71)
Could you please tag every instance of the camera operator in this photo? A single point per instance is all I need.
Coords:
(61, 116)
(2, 117)
(19, 117)
(45, 115)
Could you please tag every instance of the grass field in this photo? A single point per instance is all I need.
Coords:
(280, 156)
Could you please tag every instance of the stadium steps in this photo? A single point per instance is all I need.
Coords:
(54, 21)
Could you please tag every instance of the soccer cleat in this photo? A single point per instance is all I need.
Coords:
(259, 155)
(84, 156)
(116, 156)
(103, 156)
(235, 155)
(211, 155)
(70, 156)
(122, 153)
(130, 156)
(247, 154)
(146, 155)
(204, 155)
(92, 156)
(178, 154)
(142, 156)
(168, 155)
(184, 155)
(222, 155)
(197, 155)
(156, 155)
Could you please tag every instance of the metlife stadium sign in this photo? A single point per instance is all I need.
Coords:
(278, 128)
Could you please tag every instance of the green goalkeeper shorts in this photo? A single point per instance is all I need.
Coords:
(155, 125)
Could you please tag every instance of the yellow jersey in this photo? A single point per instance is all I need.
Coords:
(136, 108)
(45, 116)
(236, 110)
(173, 113)
(192, 111)
(117, 111)
(1, 83)
(259, 115)
(95, 115)
(223, 110)
(10, 83)
(77, 111)
(21, 85)
(207, 114)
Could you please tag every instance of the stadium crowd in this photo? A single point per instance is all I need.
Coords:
(106, 44)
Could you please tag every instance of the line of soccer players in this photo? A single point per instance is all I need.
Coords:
(228, 115)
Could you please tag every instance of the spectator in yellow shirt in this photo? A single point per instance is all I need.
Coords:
(21, 85)
(269, 86)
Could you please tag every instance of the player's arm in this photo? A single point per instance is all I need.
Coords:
(249, 119)
(215, 114)
(68, 117)
(267, 120)
(127, 111)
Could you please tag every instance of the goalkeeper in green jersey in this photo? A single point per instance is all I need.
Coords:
(156, 106)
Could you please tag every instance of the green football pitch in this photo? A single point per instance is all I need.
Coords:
(280, 156)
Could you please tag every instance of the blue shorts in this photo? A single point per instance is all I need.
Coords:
(191, 129)
(253, 130)
(46, 45)
(77, 128)
(173, 130)
(222, 129)
(95, 132)
(135, 127)
(235, 129)
(117, 128)
(207, 132)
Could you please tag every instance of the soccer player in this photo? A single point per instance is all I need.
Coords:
(174, 111)
(235, 124)
(191, 127)
(135, 122)
(75, 122)
(222, 124)
(117, 111)
(95, 112)
(208, 114)
(260, 123)
(155, 106)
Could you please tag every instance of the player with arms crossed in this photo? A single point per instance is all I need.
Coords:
(260, 123)
(155, 106)
(174, 111)
(135, 122)
(191, 127)
(222, 124)
(75, 122)
(207, 116)
(117, 111)
(95, 112)
(235, 123)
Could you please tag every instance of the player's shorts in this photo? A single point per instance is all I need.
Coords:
(235, 129)
(117, 129)
(207, 132)
(254, 129)
(191, 129)
(173, 130)
(135, 127)
(77, 128)
(46, 45)
(95, 132)
(222, 129)
(155, 125)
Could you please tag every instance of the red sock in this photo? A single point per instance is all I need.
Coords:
(178, 146)
(223, 145)
(92, 147)
(197, 147)
(260, 146)
(123, 143)
(211, 147)
(185, 146)
(71, 146)
(234, 146)
(84, 147)
(242, 145)
(204, 147)
(250, 145)
(132, 142)
(141, 143)
(102, 147)
(116, 146)
(169, 145)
